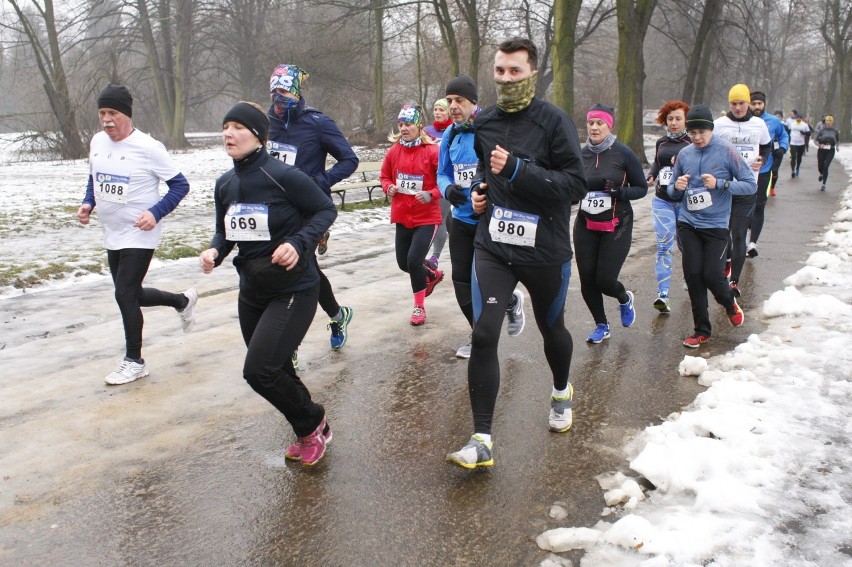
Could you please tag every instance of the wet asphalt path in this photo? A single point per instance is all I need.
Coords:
(208, 484)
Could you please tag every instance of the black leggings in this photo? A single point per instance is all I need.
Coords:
(461, 236)
(742, 208)
(824, 158)
(600, 256)
(757, 218)
(796, 153)
(493, 284)
(703, 257)
(326, 295)
(128, 268)
(272, 327)
(411, 247)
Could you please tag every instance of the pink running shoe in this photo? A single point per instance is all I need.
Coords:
(294, 451)
(418, 316)
(433, 279)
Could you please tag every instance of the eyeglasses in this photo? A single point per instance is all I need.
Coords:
(698, 133)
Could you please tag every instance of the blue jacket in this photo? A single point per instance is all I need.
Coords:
(315, 136)
(722, 160)
(779, 136)
(457, 152)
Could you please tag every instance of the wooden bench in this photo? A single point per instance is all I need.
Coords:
(366, 176)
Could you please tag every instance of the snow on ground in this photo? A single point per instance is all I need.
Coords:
(758, 470)
(45, 246)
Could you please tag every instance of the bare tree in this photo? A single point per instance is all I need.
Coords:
(634, 16)
(48, 55)
(836, 30)
(167, 38)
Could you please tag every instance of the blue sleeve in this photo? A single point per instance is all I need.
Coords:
(178, 188)
(336, 144)
(445, 166)
(89, 197)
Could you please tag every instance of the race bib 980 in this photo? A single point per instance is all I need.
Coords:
(513, 227)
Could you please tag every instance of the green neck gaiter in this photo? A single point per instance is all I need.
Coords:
(514, 96)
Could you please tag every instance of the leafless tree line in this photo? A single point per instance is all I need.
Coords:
(186, 61)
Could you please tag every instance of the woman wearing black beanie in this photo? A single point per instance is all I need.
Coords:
(274, 214)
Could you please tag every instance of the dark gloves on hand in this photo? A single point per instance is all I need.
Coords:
(777, 154)
(611, 189)
(455, 195)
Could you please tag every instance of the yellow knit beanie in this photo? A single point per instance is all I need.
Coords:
(739, 92)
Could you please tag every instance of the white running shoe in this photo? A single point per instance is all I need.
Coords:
(127, 371)
(187, 314)
(561, 416)
(464, 351)
(515, 314)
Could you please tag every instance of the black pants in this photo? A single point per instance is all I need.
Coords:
(824, 158)
(411, 247)
(757, 218)
(600, 256)
(461, 236)
(326, 294)
(796, 153)
(273, 325)
(704, 253)
(493, 284)
(742, 209)
(128, 268)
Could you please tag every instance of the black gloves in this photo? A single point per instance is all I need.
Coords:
(455, 195)
(777, 154)
(610, 189)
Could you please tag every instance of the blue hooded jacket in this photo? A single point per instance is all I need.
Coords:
(315, 136)
(722, 160)
(457, 153)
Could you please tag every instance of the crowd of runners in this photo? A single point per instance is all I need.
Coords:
(498, 184)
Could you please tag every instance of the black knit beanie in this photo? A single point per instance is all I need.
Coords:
(463, 86)
(117, 98)
(699, 117)
(758, 95)
(250, 117)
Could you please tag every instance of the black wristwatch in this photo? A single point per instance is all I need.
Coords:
(727, 185)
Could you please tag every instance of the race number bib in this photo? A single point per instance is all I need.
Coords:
(282, 152)
(245, 222)
(596, 202)
(748, 151)
(463, 173)
(665, 176)
(112, 188)
(513, 227)
(698, 198)
(409, 184)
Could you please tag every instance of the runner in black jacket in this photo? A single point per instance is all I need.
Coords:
(603, 231)
(275, 214)
(529, 172)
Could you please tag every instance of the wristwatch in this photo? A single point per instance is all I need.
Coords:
(727, 185)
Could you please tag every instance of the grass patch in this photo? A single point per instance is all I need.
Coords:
(364, 205)
(176, 251)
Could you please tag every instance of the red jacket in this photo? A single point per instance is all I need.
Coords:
(419, 167)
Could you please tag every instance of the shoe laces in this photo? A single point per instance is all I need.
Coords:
(418, 311)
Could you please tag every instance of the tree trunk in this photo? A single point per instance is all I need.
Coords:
(566, 14)
(699, 59)
(448, 34)
(378, 64)
(55, 80)
(634, 16)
